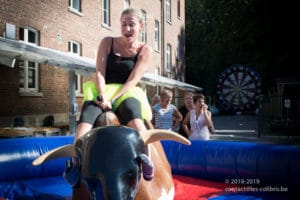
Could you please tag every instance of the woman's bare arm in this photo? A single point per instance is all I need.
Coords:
(185, 122)
(103, 51)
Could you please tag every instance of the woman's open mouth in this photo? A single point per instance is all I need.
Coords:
(128, 35)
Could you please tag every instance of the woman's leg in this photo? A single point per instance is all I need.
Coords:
(130, 113)
(137, 124)
(89, 113)
(82, 128)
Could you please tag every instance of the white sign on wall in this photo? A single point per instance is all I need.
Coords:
(287, 103)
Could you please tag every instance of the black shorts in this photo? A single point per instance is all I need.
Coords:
(128, 110)
(89, 112)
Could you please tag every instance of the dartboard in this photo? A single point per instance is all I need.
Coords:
(238, 89)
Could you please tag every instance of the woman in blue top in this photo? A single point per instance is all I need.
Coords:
(121, 63)
(166, 115)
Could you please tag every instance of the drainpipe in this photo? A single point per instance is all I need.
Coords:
(73, 107)
(162, 37)
(176, 95)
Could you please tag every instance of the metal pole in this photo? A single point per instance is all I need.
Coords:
(73, 107)
(260, 116)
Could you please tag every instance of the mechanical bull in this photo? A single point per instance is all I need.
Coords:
(113, 158)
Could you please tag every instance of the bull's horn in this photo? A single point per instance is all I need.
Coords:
(154, 135)
(63, 151)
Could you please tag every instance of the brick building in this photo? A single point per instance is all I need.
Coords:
(34, 90)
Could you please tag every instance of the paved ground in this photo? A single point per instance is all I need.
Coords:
(245, 128)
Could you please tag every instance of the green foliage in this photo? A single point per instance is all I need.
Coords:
(220, 33)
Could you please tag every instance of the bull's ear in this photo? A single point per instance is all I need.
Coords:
(63, 151)
(154, 135)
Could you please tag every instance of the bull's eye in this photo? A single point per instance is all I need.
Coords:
(129, 182)
(131, 178)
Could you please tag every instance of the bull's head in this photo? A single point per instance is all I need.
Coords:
(113, 156)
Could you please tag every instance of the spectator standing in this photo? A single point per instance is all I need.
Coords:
(188, 106)
(155, 99)
(164, 112)
(199, 119)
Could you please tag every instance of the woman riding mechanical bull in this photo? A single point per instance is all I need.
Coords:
(114, 156)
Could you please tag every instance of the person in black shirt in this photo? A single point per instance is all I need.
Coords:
(188, 105)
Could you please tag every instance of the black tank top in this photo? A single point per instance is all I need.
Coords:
(118, 68)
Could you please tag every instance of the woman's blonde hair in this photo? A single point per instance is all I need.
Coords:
(133, 11)
(166, 93)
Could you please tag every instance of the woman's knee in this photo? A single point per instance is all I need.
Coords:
(137, 124)
(82, 129)
(130, 109)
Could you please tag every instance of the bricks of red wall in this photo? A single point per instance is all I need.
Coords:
(57, 26)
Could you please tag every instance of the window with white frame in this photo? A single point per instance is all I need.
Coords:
(29, 71)
(75, 48)
(169, 58)
(178, 9)
(126, 4)
(168, 10)
(178, 56)
(75, 5)
(156, 35)
(106, 12)
(144, 31)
